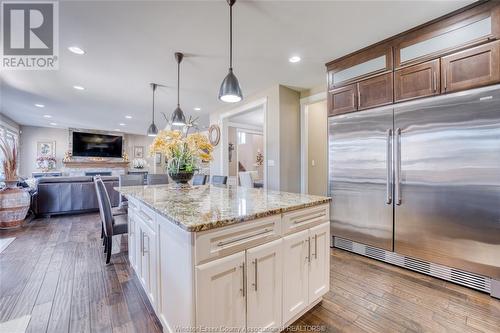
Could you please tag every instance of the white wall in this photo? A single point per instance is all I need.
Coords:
(282, 103)
(317, 141)
(29, 137)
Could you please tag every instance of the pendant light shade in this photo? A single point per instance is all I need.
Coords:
(153, 130)
(230, 91)
(178, 118)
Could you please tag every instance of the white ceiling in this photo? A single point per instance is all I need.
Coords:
(131, 43)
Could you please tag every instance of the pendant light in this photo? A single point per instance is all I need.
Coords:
(230, 91)
(178, 118)
(153, 130)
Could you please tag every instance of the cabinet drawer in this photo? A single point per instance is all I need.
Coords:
(342, 100)
(417, 81)
(145, 214)
(305, 218)
(471, 68)
(225, 241)
(375, 91)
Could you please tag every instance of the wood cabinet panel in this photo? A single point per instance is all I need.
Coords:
(375, 91)
(417, 81)
(471, 68)
(342, 100)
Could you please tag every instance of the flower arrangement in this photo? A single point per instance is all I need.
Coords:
(139, 163)
(259, 159)
(46, 162)
(9, 163)
(182, 153)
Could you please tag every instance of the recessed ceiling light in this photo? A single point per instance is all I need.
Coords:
(294, 59)
(128, 117)
(122, 124)
(197, 109)
(39, 105)
(76, 50)
(47, 116)
(79, 87)
(53, 124)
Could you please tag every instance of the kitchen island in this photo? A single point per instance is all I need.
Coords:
(222, 258)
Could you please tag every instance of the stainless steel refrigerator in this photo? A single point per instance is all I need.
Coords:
(421, 179)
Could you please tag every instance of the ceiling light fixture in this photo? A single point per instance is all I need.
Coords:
(128, 117)
(294, 59)
(53, 124)
(121, 124)
(153, 130)
(47, 116)
(39, 105)
(197, 109)
(178, 118)
(230, 91)
(79, 87)
(76, 50)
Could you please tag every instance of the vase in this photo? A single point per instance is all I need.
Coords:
(14, 205)
(181, 177)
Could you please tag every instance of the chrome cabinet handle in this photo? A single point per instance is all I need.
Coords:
(445, 79)
(242, 266)
(309, 218)
(397, 158)
(308, 240)
(359, 98)
(388, 190)
(144, 245)
(316, 246)
(245, 237)
(434, 80)
(256, 274)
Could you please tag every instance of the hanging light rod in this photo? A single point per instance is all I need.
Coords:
(153, 130)
(178, 118)
(230, 91)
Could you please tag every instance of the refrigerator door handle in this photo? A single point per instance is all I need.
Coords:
(389, 168)
(397, 161)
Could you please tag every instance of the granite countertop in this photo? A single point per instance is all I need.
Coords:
(209, 206)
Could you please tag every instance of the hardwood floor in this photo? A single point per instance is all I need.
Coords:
(55, 272)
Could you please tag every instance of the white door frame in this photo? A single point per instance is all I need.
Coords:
(224, 119)
(304, 155)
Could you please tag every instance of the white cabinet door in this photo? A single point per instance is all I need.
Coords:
(319, 268)
(220, 292)
(148, 262)
(264, 286)
(296, 249)
(131, 240)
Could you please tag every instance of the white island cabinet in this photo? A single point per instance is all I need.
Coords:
(206, 264)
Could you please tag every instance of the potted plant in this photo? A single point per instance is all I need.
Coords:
(14, 202)
(183, 153)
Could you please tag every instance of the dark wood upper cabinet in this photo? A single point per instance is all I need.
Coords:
(417, 81)
(342, 100)
(358, 66)
(464, 29)
(471, 68)
(375, 91)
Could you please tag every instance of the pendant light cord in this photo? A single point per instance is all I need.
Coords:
(230, 36)
(178, 81)
(154, 89)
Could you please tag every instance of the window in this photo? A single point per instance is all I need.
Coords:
(242, 138)
(11, 136)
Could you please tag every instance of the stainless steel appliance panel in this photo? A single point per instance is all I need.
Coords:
(360, 177)
(449, 181)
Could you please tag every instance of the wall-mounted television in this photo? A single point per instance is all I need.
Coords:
(96, 145)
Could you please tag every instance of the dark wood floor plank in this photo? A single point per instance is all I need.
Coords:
(55, 271)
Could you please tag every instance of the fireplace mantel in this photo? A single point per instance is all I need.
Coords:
(96, 164)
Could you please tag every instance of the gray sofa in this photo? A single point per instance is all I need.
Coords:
(70, 195)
